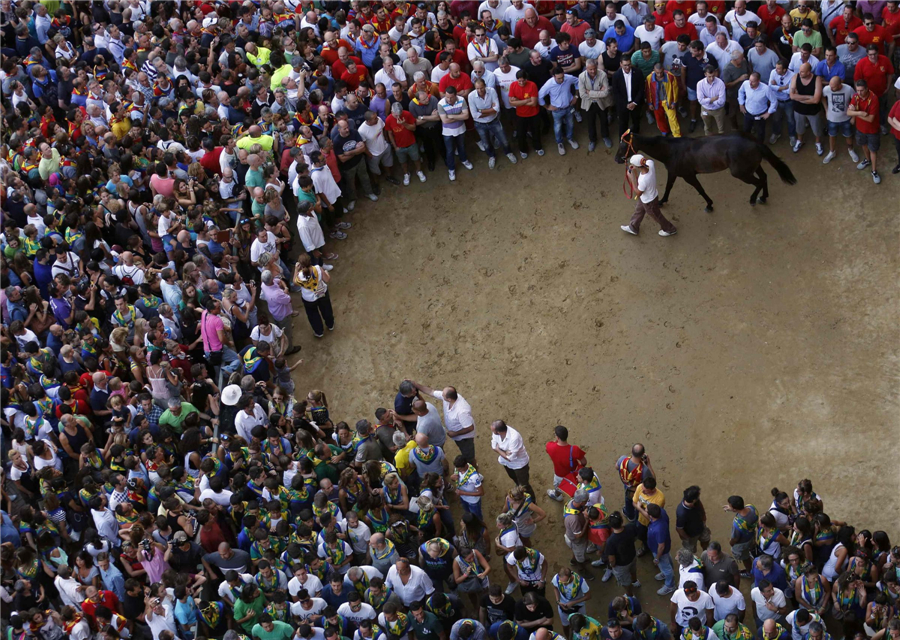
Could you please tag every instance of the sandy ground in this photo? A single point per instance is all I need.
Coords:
(755, 348)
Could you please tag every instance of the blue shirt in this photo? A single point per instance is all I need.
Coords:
(8, 531)
(827, 73)
(626, 40)
(776, 576)
(333, 599)
(757, 101)
(560, 92)
(113, 581)
(658, 533)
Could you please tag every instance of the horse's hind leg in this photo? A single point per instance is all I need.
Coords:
(694, 182)
(765, 184)
(750, 177)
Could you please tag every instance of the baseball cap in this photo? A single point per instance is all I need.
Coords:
(590, 33)
(180, 537)
(570, 10)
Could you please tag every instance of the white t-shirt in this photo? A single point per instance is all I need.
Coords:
(318, 605)
(258, 248)
(366, 612)
(471, 484)
(244, 423)
(592, 53)
(359, 536)
(527, 571)
(837, 103)
(688, 609)
(761, 610)
(653, 37)
(732, 603)
(691, 573)
(699, 21)
(647, 183)
(223, 498)
(457, 417)
(504, 82)
(386, 80)
(134, 272)
(738, 23)
(166, 622)
(373, 136)
(437, 73)
(323, 183)
(257, 336)
(312, 585)
(477, 51)
(606, 22)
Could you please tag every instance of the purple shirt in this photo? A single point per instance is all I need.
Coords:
(379, 106)
(279, 302)
(875, 7)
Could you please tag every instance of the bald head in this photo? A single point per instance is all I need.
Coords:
(421, 440)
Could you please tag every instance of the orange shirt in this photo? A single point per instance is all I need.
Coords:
(518, 92)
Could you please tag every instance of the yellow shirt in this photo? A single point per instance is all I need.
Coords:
(401, 458)
(261, 57)
(278, 75)
(643, 499)
(264, 141)
(122, 127)
(797, 17)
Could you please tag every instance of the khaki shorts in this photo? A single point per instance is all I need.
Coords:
(691, 543)
(623, 574)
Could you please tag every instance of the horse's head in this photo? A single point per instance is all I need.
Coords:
(626, 148)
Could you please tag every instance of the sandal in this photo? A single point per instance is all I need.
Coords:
(331, 256)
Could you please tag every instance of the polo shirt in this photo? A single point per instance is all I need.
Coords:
(658, 533)
(461, 83)
(875, 75)
(869, 106)
(877, 36)
(175, 422)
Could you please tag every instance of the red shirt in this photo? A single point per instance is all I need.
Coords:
(576, 31)
(875, 75)
(338, 68)
(382, 26)
(770, 19)
(841, 28)
(891, 22)
(459, 57)
(402, 136)
(876, 36)
(688, 6)
(672, 31)
(529, 35)
(870, 107)
(565, 458)
(211, 536)
(519, 92)
(462, 83)
(331, 161)
(210, 160)
(353, 79)
(331, 55)
(895, 114)
(665, 19)
(106, 598)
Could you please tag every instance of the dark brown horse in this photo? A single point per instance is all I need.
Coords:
(687, 157)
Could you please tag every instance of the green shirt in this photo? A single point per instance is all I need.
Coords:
(281, 631)
(814, 39)
(429, 629)
(254, 178)
(280, 74)
(169, 419)
(646, 66)
(241, 609)
(264, 141)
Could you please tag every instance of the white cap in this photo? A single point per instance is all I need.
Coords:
(637, 160)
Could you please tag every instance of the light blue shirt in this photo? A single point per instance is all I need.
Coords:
(776, 81)
(757, 101)
(114, 581)
(560, 92)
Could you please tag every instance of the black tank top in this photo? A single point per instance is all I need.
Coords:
(78, 440)
(806, 90)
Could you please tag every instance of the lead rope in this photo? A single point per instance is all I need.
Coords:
(626, 183)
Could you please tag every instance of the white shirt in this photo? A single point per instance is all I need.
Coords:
(723, 56)
(761, 610)
(796, 62)
(68, 266)
(318, 605)
(647, 184)
(708, 38)
(312, 585)
(527, 571)
(310, 230)
(486, 50)
(732, 603)
(801, 632)
(504, 82)
(606, 22)
(159, 623)
(592, 53)
(512, 445)
(358, 536)
(366, 612)
(68, 592)
(688, 609)
(134, 272)
(225, 592)
(544, 49)
(106, 525)
(244, 423)
(512, 15)
(497, 12)
(386, 80)
(373, 136)
(738, 23)
(699, 21)
(478, 103)
(324, 184)
(418, 587)
(258, 248)
(437, 73)
(653, 37)
(627, 84)
(457, 417)
(223, 498)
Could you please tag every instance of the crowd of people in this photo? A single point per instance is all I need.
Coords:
(162, 476)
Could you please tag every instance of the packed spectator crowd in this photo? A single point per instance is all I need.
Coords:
(173, 172)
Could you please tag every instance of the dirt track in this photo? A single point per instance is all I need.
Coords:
(755, 348)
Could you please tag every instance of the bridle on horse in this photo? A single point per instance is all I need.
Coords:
(627, 138)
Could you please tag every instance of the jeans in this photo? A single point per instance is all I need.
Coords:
(594, 113)
(474, 509)
(489, 130)
(757, 128)
(563, 118)
(666, 568)
(785, 111)
(452, 144)
(628, 509)
(230, 359)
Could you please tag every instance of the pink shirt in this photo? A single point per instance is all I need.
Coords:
(278, 301)
(163, 186)
(210, 325)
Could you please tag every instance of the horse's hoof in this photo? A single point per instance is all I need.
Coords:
(753, 203)
(709, 209)
(761, 201)
(662, 204)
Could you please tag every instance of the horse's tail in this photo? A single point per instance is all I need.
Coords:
(784, 171)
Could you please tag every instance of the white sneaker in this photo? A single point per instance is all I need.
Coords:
(468, 165)
(328, 267)
(664, 590)
(452, 176)
(774, 138)
(865, 162)
(405, 179)
(573, 144)
(666, 234)
(659, 577)
(828, 158)
(523, 155)
(481, 146)
(421, 175)
(510, 588)
(540, 152)
(351, 205)
(561, 149)
(372, 197)
(636, 584)
(511, 157)
(792, 140)
(598, 563)
(553, 494)
(797, 146)
(819, 149)
(607, 575)
(492, 162)
(876, 178)
(853, 155)
(627, 229)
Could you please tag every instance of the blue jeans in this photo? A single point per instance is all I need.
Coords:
(474, 509)
(666, 568)
(489, 130)
(230, 359)
(563, 118)
(451, 144)
(628, 509)
(785, 111)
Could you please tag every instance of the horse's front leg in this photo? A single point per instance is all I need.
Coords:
(669, 182)
(694, 182)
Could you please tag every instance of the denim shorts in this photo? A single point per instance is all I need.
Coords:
(870, 140)
(844, 128)
(692, 94)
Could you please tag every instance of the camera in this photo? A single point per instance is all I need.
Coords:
(145, 543)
